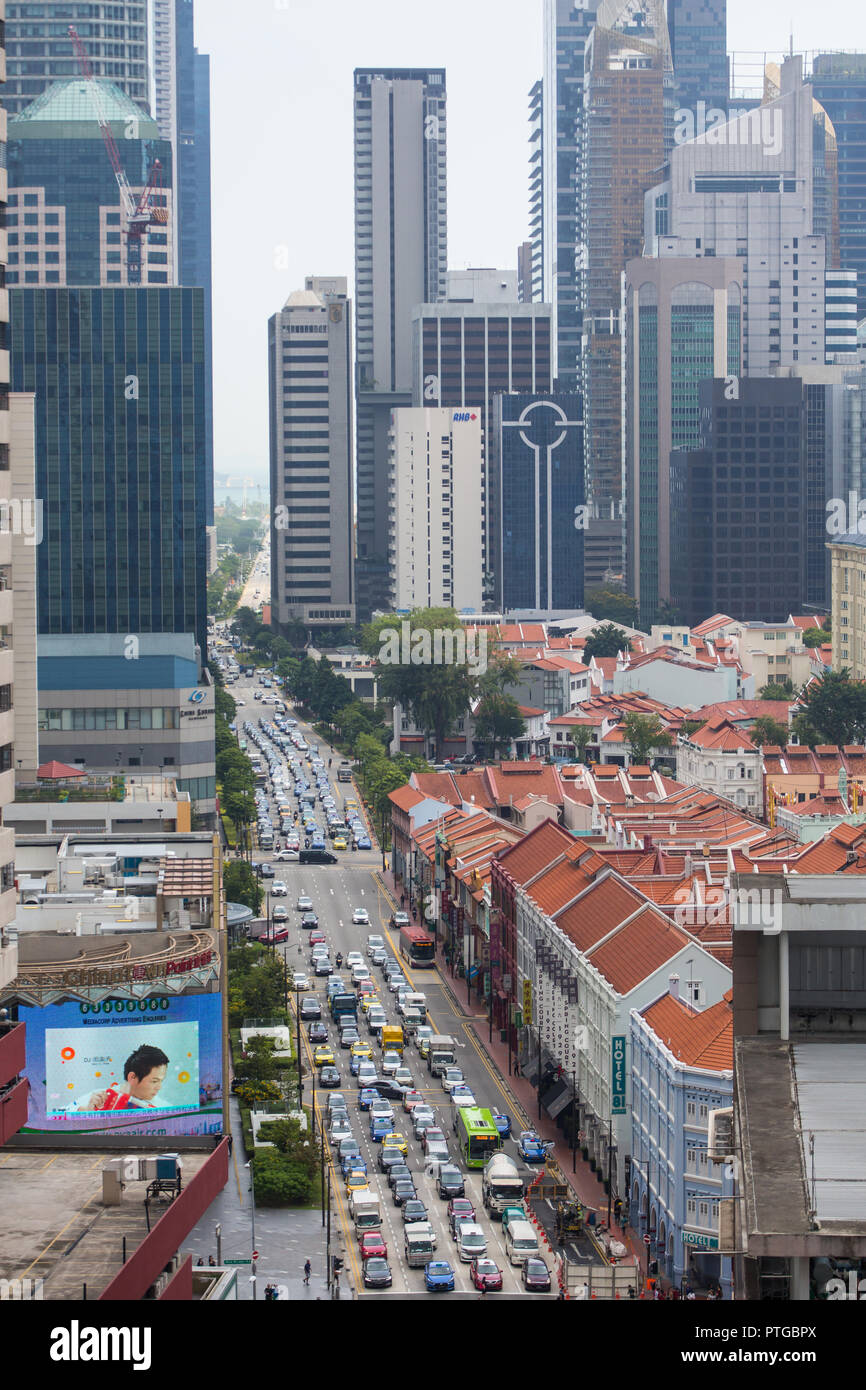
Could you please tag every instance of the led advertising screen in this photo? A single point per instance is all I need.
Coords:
(131, 1066)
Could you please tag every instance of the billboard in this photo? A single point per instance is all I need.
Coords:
(126, 1066)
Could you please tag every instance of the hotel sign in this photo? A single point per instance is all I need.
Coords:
(617, 1075)
(701, 1241)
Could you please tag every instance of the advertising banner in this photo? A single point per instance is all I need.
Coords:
(143, 1066)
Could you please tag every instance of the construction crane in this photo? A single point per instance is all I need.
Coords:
(140, 214)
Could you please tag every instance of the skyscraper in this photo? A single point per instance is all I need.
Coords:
(698, 35)
(536, 447)
(38, 50)
(537, 173)
(67, 223)
(839, 84)
(627, 123)
(401, 257)
(310, 357)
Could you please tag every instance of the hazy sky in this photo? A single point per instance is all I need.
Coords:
(281, 94)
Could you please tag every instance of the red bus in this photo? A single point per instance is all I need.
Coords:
(418, 947)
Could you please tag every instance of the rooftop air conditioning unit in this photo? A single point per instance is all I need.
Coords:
(720, 1144)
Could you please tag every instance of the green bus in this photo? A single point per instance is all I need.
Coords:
(477, 1135)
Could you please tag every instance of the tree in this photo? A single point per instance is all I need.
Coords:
(609, 604)
(691, 726)
(778, 690)
(241, 885)
(606, 640)
(581, 736)
(815, 637)
(279, 1181)
(498, 721)
(245, 624)
(643, 733)
(257, 1062)
(768, 731)
(834, 707)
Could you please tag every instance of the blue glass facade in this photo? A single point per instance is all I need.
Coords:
(119, 379)
(839, 83)
(538, 450)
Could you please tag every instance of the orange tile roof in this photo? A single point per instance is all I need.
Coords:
(404, 798)
(711, 624)
(510, 781)
(744, 711)
(723, 737)
(639, 948)
(704, 1039)
(604, 907)
(438, 785)
(535, 851)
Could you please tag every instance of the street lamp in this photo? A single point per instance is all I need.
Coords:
(253, 1224)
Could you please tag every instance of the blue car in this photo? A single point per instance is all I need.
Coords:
(367, 1096)
(356, 1164)
(531, 1147)
(502, 1123)
(363, 842)
(439, 1277)
(379, 1127)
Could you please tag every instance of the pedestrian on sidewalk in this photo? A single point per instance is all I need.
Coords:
(308, 1269)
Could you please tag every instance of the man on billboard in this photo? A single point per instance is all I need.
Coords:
(145, 1071)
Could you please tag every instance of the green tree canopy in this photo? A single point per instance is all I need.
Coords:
(241, 884)
(612, 605)
(834, 708)
(778, 690)
(606, 640)
(498, 721)
(815, 637)
(645, 732)
(767, 731)
(581, 736)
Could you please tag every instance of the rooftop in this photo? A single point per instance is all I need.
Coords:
(70, 105)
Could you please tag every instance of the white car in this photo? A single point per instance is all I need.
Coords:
(301, 981)
(279, 889)
(354, 958)
(390, 1063)
(451, 1077)
(304, 904)
(375, 943)
(403, 1077)
(360, 917)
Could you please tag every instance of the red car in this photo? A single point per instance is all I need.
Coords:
(276, 936)
(317, 938)
(485, 1274)
(459, 1209)
(372, 1244)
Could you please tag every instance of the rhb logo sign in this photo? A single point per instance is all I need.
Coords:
(463, 415)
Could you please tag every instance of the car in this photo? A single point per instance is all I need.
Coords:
(379, 1127)
(395, 1140)
(361, 1049)
(377, 1274)
(531, 1147)
(339, 842)
(403, 1191)
(373, 1243)
(462, 1095)
(432, 1135)
(349, 1036)
(403, 1077)
(317, 938)
(309, 921)
(389, 1090)
(359, 973)
(318, 1032)
(377, 955)
(382, 1109)
(399, 919)
(324, 1056)
(367, 1097)
(471, 1242)
(366, 1074)
(275, 937)
(376, 1018)
(355, 1065)
(459, 1209)
(337, 1101)
(310, 1009)
(414, 1211)
(535, 1275)
(450, 1181)
(369, 999)
(422, 1038)
(354, 958)
(301, 981)
(438, 1277)
(323, 966)
(396, 982)
(423, 1118)
(266, 871)
(356, 1181)
(304, 904)
(452, 1076)
(278, 889)
(411, 1099)
(329, 1076)
(396, 1171)
(341, 1129)
(364, 842)
(389, 1158)
(485, 1273)
(390, 1063)
(374, 942)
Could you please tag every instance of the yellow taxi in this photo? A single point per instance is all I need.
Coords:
(367, 1002)
(361, 1049)
(366, 989)
(340, 843)
(395, 1141)
(356, 1181)
(323, 1056)
(351, 804)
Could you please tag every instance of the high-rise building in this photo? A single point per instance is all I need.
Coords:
(120, 437)
(39, 50)
(524, 272)
(464, 354)
(310, 357)
(181, 78)
(683, 325)
(698, 34)
(536, 447)
(839, 84)
(556, 113)
(401, 258)
(436, 489)
(537, 172)
(738, 520)
(627, 126)
(67, 223)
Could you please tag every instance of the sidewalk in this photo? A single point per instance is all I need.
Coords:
(586, 1185)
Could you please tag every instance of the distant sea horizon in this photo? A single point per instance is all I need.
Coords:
(258, 492)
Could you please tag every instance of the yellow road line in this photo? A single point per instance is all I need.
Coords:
(47, 1247)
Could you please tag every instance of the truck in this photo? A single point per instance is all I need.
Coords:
(418, 1245)
(501, 1184)
(392, 1038)
(441, 1053)
(344, 772)
(413, 1001)
(344, 1004)
(366, 1211)
(413, 1019)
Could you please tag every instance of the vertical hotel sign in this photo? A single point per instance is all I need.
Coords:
(496, 950)
(527, 1002)
(617, 1075)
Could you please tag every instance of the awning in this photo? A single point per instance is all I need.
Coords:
(557, 1098)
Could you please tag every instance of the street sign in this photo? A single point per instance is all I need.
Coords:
(647, 1240)
(255, 1254)
(237, 1262)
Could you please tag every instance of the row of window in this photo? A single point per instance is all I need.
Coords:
(143, 718)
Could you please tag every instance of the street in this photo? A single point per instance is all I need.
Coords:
(335, 892)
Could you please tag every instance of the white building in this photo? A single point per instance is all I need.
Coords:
(436, 509)
(723, 759)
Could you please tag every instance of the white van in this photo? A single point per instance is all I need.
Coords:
(521, 1242)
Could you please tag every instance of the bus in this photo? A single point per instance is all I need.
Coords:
(477, 1135)
(418, 947)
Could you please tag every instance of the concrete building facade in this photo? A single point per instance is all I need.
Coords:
(40, 52)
